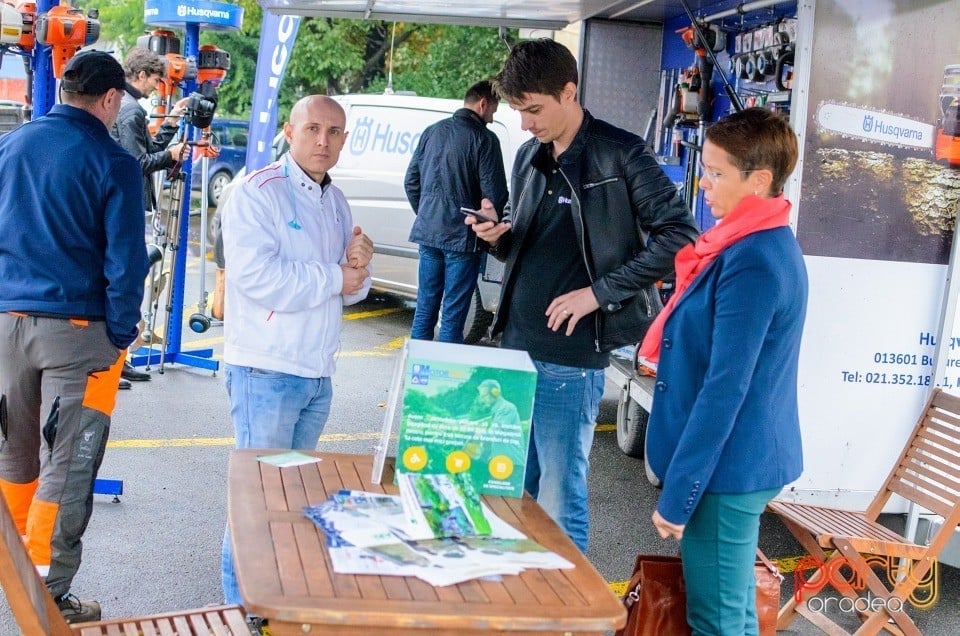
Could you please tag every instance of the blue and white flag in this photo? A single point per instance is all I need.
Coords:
(277, 35)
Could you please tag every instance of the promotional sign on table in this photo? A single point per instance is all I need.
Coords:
(465, 409)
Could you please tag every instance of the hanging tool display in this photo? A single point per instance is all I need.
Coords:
(177, 70)
(762, 62)
(170, 213)
(183, 72)
(166, 242)
(212, 65)
(696, 98)
(17, 26)
(65, 29)
(708, 48)
(17, 37)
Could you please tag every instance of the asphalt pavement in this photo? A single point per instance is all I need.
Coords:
(157, 548)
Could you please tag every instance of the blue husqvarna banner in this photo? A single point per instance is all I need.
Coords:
(277, 35)
(217, 16)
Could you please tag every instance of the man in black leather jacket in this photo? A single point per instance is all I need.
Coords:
(143, 69)
(593, 224)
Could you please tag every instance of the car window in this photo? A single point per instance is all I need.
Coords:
(279, 147)
(235, 135)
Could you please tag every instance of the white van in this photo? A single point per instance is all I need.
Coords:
(383, 133)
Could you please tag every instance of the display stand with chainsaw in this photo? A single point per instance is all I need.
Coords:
(168, 223)
(208, 68)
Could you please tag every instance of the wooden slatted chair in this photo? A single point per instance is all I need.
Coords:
(927, 473)
(36, 612)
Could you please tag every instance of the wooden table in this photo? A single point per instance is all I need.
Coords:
(285, 574)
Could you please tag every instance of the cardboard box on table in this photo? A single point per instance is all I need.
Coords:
(463, 409)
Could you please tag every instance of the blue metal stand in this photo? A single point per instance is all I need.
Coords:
(201, 358)
(108, 487)
(44, 84)
(190, 16)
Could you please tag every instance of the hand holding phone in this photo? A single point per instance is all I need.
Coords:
(477, 214)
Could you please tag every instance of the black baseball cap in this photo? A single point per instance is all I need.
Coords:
(92, 73)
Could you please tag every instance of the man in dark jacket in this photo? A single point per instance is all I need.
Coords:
(457, 163)
(143, 70)
(72, 262)
(595, 223)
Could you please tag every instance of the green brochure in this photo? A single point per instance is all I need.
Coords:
(467, 410)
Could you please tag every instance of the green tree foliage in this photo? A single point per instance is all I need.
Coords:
(334, 56)
(443, 60)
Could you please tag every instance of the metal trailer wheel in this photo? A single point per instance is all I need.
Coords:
(631, 425)
(651, 477)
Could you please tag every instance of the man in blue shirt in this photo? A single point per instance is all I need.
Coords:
(72, 262)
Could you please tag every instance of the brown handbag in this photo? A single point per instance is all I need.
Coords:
(656, 597)
(768, 593)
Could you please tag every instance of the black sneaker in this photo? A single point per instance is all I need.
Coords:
(74, 610)
(129, 373)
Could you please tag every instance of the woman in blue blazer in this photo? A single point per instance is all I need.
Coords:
(724, 434)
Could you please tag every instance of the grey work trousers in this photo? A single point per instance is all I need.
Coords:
(58, 386)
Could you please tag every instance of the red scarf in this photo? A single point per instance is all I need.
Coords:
(752, 214)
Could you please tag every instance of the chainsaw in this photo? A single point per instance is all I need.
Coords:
(891, 129)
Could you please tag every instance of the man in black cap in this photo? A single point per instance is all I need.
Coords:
(72, 262)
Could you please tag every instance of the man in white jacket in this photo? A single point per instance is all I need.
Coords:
(295, 260)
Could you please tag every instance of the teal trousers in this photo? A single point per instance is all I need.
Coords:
(718, 550)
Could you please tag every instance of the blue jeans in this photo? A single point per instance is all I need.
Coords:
(718, 551)
(444, 279)
(271, 410)
(564, 416)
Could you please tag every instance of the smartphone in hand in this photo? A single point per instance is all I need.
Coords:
(477, 214)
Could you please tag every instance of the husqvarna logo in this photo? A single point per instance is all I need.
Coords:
(868, 123)
(360, 136)
(370, 135)
(182, 10)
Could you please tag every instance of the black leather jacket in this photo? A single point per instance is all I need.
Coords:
(131, 132)
(630, 223)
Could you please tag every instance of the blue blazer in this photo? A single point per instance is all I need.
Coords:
(724, 416)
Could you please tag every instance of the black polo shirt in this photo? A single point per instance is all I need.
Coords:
(550, 263)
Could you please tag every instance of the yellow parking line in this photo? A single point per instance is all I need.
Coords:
(226, 441)
(380, 351)
(605, 428)
(165, 443)
(373, 313)
(396, 343)
(618, 587)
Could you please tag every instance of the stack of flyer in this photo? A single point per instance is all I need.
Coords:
(437, 530)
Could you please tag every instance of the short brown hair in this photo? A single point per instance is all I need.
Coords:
(536, 66)
(140, 59)
(758, 139)
(481, 90)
